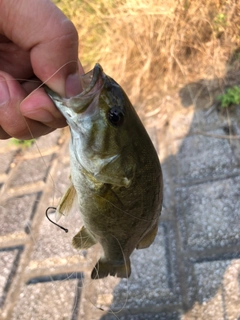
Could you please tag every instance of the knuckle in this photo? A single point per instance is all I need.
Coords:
(67, 34)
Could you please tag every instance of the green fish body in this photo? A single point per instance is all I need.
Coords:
(115, 173)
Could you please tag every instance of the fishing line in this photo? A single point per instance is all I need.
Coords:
(49, 78)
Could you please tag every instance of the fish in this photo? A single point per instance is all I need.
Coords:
(115, 173)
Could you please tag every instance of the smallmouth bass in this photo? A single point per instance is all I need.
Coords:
(115, 173)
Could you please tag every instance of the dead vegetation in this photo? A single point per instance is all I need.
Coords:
(153, 46)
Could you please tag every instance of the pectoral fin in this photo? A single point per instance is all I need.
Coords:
(83, 240)
(66, 202)
(148, 238)
(124, 171)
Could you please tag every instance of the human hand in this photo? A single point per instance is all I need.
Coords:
(36, 40)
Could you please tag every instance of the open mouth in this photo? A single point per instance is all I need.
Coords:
(91, 82)
(89, 79)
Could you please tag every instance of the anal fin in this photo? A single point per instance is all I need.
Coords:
(83, 240)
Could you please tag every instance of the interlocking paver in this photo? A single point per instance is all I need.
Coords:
(201, 229)
(9, 258)
(47, 298)
(31, 170)
(6, 159)
(16, 213)
(205, 157)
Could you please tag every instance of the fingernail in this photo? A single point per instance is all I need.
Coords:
(73, 85)
(4, 92)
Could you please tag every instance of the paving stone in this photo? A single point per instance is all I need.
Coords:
(17, 213)
(30, 171)
(47, 142)
(168, 186)
(43, 144)
(205, 122)
(7, 146)
(144, 316)
(6, 160)
(52, 297)
(9, 259)
(4, 145)
(61, 180)
(203, 157)
(209, 214)
(235, 131)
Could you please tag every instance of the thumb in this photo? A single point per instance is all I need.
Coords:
(55, 59)
(49, 37)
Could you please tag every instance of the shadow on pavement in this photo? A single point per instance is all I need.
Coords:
(192, 270)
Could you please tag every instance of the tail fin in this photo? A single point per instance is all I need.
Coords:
(103, 268)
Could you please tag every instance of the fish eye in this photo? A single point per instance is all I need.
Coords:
(115, 116)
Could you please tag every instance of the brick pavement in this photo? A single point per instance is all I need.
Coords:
(192, 270)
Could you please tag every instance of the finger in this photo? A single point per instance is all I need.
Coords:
(12, 122)
(15, 61)
(38, 106)
(49, 36)
(3, 134)
(31, 84)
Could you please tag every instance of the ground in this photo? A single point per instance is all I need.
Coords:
(191, 271)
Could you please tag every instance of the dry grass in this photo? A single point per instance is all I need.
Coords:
(154, 46)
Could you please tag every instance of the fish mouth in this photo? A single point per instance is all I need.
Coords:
(91, 82)
(89, 79)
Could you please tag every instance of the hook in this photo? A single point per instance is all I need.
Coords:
(66, 230)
